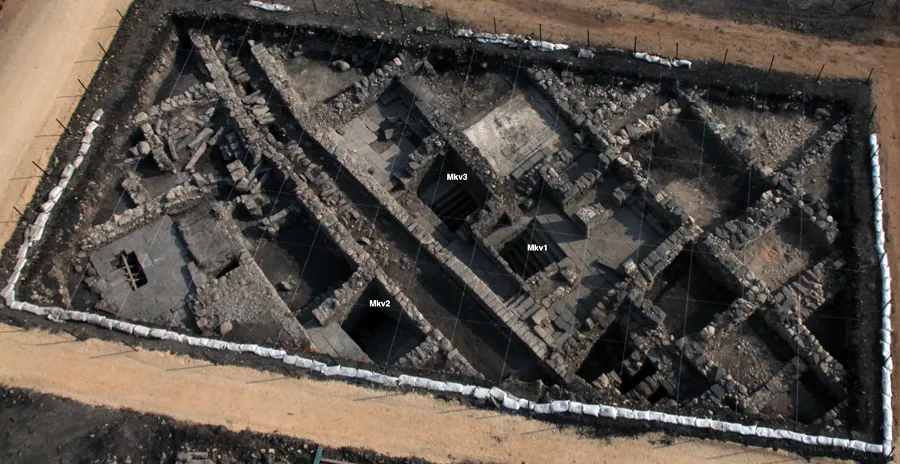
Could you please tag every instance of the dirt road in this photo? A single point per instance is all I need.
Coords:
(331, 413)
(45, 47)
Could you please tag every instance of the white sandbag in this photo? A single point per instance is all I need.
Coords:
(206, 343)
(857, 445)
(609, 412)
(7, 290)
(80, 316)
(157, 333)
(732, 427)
(824, 441)
(41, 220)
(809, 439)
(717, 425)
(873, 448)
(525, 404)
(873, 140)
(576, 408)
(262, 351)
(640, 55)
(640, 415)
(29, 308)
(97, 115)
(274, 7)
(468, 390)
(218, 344)
(20, 264)
(193, 341)
(84, 148)
(95, 319)
(91, 127)
(64, 182)
(78, 160)
(14, 277)
(108, 323)
(682, 64)
(841, 442)
(422, 382)
(290, 360)
(665, 62)
(47, 206)
(17, 305)
(454, 387)
(498, 394)
(247, 347)
(304, 363)
(123, 326)
(481, 393)
(277, 354)
(542, 408)
(511, 403)
(331, 371)
(88, 138)
(140, 330)
(591, 410)
(702, 423)
(173, 336)
(406, 380)
(559, 406)
(347, 372)
(55, 193)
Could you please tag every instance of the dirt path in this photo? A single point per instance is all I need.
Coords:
(45, 47)
(332, 413)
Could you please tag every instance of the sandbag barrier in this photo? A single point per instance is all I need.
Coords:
(510, 40)
(667, 62)
(276, 7)
(502, 398)
(888, 362)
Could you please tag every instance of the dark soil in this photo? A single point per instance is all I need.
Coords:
(39, 428)
(835, 19)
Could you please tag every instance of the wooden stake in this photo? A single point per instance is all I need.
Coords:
(589, 38)
(770, 65)
(402, 17)
(869, 79)
(818, 76)
(358, 11)
(101, 48)
(725, 58)
(315, 8)
(39, 167)
(61, 125)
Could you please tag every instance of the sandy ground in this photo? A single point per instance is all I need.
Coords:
(39, 68)
(45, 47)
(332, 413)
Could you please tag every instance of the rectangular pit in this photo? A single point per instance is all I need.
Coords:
(782, 253)
(300, 256)
(380, 327)
(689, 297)
(701, 180)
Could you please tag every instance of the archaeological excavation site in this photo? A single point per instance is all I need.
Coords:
(403, 196)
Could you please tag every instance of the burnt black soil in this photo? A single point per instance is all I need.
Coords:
(836, 19)
(120, 84)
(39, 428)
